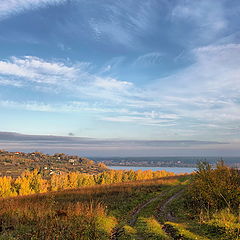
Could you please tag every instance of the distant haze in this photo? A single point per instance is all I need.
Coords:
(115, 147)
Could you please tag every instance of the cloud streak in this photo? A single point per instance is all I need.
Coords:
(13, 7)
(50, 140)
(208, 90)
(208, 17)
(37, 70)
(75, 78)
(138, 18)
(114, 147)
(206, 93)
(151, 58)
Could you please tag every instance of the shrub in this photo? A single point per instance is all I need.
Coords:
(227, 222)
(214, 189)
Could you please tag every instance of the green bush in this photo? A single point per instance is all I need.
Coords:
(227, 223)
(214, 189)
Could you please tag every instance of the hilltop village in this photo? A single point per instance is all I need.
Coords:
(15, 163)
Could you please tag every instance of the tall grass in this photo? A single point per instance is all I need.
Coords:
(48, 220)
(82, 213)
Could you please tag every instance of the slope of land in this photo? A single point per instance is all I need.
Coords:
(166, 208)
(15, 163)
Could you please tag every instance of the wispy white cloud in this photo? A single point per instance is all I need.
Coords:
(106, 68)
(112, 65)
(137, 18)
(144, 120)
(12, 7)
(208, 16)
(73, 106)
(207, 92)
(101, 111)
(8, 82)
(63, 47)
(31, 106)
(203, 98)
(65, 76)
(149, 58)
(113, 31)
(37, 70)
(111, 83)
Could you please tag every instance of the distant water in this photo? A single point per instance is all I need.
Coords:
(168, 169)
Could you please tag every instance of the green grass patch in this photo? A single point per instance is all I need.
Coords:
(149, 228)
(224, 224)
(179, 231)
(128, 233)
(105, 225)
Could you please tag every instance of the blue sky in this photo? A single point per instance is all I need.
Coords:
(128, 70)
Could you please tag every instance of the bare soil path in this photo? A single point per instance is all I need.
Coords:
(162, 210)
(136, 212)
(118, 231)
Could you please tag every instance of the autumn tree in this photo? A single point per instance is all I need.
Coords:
(214, 188)
(6, 188)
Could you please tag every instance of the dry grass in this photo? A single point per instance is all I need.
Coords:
(82, 213)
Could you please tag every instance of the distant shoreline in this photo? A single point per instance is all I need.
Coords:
(176, 170)
(153, 166)
(181, 162)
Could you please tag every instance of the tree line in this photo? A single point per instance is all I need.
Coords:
(31, 182)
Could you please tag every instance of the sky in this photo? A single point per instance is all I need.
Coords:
(120, 78)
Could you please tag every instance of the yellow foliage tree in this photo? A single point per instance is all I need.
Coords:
(6, 189)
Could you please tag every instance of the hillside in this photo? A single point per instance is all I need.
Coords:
(85, 213)
(203, 206)
(15, 163)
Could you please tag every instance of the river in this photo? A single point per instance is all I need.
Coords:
(176, 170)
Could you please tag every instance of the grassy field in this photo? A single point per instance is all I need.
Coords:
(146, 209)
(85, 213)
